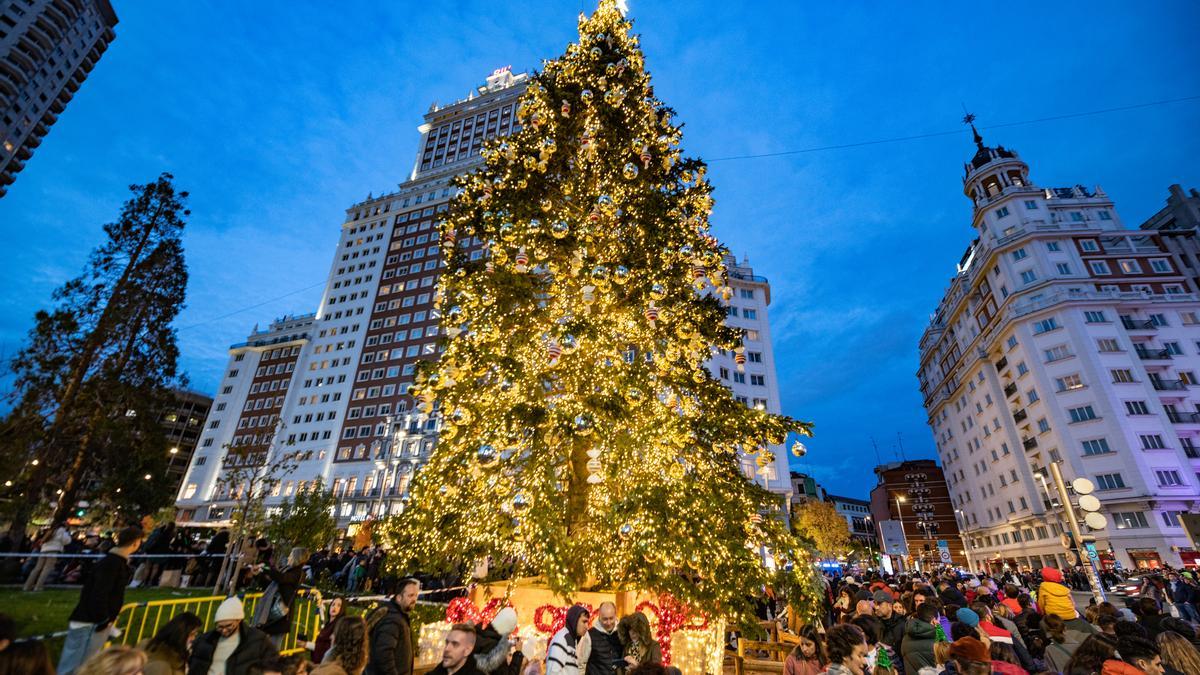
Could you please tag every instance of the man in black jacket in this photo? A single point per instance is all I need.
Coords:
(606, 646)
(391, 635)
(100, 601)
(232, 648)
(456, 655)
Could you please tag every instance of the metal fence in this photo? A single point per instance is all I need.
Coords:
(141, 620)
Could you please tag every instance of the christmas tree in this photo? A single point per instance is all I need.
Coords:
(583, 440)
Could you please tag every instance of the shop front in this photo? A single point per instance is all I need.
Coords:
(1190, 557)
(1145, 558)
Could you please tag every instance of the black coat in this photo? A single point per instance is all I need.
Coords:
(391, 644)
(468, 668)
(103, 591)
(253, 648)
(288, 582)
(606, 651)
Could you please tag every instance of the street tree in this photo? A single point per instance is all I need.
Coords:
(821, 524)
(305, 520)
(96, 366)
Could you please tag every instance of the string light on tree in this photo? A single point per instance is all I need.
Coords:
(583, 357)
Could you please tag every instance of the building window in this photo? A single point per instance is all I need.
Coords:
(1028, 276)
(1122, 375)
(1043, 425)
(1069, 382)
(1096, 446)
(1031, 205)
(1012, 341)
(1022, 368)
(1063, 268)
(1057, 353)
(1095, 317)
(1130, 266)
(1104, 215)
(1168, 478)
(1082, 414)
(1171, 518)
(1099, 267)
(1045, 325)
(1136, 408)
(1110, 481)
(1019, 254)
(1152, 442)
(1002, 212)
(1088, 245)
(1053, 246)
(1108, 345)
(749, 313)
(1077, 216)
(1160, 265)
(1130, 520)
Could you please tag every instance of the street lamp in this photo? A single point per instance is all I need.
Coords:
(900, 516)
(870, 550)
(963, 534)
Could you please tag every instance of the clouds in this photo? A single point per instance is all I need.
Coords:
(279, 115)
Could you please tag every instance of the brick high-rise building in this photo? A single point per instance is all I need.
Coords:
(47, 49)
(334, 385)
(912, 497)
(1066, 337)
(182, 425)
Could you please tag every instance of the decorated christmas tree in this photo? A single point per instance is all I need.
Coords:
(583, 440)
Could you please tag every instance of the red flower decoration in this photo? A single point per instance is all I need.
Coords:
(672, 615)
(558, 617)
(462, 610)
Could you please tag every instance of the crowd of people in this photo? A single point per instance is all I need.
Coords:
(1021, 623)
(1018, 623)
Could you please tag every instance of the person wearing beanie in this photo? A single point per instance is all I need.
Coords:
(1054, 597)
(494, 643)
(968, 652)
(232, 647)
(606, 651)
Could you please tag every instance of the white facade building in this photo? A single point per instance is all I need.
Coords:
(1064, 336)
(343, 373)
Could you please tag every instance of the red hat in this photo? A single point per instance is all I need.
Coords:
(1051, 574)
(970, 649)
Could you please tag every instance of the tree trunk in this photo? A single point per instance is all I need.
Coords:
(66, 401)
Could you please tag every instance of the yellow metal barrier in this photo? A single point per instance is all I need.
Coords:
(141, 620)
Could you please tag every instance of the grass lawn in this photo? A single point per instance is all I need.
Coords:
(47, 611)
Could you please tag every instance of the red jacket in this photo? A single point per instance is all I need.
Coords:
(1006, 668)
(1115, 667)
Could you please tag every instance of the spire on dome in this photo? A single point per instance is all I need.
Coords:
(969, 118)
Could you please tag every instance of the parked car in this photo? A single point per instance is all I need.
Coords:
(1128, 590)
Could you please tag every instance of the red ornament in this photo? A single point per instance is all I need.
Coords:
(522, 260)
(740, 359)
(672, 615)
(554, 351)
(462, 610)
(558, 617)
(652, 314)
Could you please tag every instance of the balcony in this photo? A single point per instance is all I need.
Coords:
(1020, 416)
(1152, 354)
(1183, 417)
(1002, 364)
(1137, 324)
(1169, 385)
(1010, 390)
(1191, 451)
(1029, 443)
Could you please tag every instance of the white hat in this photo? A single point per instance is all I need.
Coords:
(230, 610)
(505, 621)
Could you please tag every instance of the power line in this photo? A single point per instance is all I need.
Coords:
(250, 307)
(899, 139)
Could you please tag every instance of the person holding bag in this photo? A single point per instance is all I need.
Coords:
(273, 614)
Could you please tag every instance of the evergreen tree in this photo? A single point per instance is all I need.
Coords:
(305, 520)
(92, 379)
(583, 440)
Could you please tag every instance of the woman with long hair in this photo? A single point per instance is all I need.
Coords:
(847, 649)
(273, 614)
(167, 653)
(1178, 653)
(1089, 658)
(350, 649)
(808, 658)
(116, 660)
(320, 646)
(637, 643)
(29, 657)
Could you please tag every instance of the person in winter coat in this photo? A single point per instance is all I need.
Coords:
(562, 656)
(919, 635)
(1148, 616)
(893, 624)
(169, 650)
(350, 651)
(847, 649)
(607, 652)
(320, 646)
(456, 655)
(1004, 660)
(1139, 656)
(100, 601)
(273, 614)
(232, 648)
(493, 646)
(53, 542)
(1055, 598)
(808, 657)
(391, 635)
(639, 646)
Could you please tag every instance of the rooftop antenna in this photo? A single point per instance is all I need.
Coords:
(900, 442)
(876, 446)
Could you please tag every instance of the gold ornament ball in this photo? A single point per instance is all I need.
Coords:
(559, 229)
(629, 171)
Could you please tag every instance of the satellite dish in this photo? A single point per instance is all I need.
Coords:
(1096, 521)
(1083, 486)
(1089, 503)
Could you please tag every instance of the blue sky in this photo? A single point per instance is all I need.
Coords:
(278, 115)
